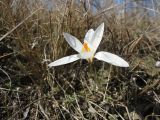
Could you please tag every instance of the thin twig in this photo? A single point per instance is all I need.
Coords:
(9, 32)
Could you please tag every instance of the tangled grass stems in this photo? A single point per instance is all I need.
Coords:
(30, 90)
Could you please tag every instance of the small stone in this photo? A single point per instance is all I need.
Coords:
(158, 64)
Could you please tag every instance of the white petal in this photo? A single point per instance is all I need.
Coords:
(97, 37)
(65, 60)
(89, 35)
(111, 58)
(73, 42)
(86, 55)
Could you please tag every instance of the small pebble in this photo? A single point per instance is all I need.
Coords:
(158, 64)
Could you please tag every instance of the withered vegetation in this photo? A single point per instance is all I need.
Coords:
(32, 37)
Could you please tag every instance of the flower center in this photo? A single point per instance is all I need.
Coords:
(85, 47)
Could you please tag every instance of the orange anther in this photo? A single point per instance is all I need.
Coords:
(85, 48)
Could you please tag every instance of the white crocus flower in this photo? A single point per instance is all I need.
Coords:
(87, 50)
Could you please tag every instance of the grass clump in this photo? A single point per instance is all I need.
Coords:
(32, 38)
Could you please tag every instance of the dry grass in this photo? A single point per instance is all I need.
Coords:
(30, 38)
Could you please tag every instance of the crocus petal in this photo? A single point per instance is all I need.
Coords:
(65, 60)
(97, 37)
(73, 42)
(88, 36)
(86, 55)
(111, 58)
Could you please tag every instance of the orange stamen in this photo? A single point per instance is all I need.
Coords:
(85, 48)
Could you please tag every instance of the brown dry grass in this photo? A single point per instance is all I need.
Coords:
(32, 38)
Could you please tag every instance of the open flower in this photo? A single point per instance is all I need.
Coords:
(87, 50)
